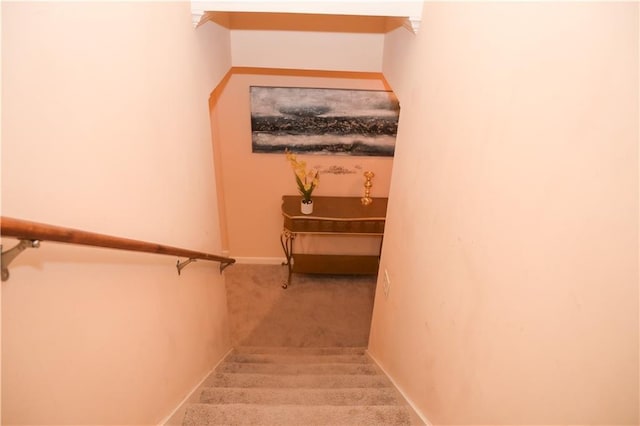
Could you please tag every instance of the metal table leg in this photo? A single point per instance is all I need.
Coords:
(286, 240)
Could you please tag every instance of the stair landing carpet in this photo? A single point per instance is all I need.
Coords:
(299, 386)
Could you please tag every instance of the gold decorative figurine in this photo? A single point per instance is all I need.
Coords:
(366, 200)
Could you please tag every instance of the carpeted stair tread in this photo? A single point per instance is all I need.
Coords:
(276, 350)
(323, 381)
(298, 359)
(275, 396)
(242, 414)
(305, 368)
(302, 386)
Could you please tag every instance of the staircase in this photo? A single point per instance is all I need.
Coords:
(302, 386)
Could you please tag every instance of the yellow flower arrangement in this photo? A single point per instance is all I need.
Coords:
(307, 181)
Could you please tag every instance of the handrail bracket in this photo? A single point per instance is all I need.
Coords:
(223, 265)
(182, 265)
(12, 253)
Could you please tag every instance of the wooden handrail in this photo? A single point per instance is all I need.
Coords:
(33, 231)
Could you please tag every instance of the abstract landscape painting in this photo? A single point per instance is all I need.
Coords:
(323, 121)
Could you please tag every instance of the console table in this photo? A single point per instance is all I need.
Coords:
(331, 215)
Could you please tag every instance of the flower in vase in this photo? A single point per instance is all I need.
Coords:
(306, 180)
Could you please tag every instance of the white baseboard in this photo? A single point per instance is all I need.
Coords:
(409, 401)
(260, 260)
(171, 419)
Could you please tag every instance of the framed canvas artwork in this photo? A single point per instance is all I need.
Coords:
(323, 121)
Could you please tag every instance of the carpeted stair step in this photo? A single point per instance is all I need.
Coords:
(305, 368)
(302, 386)
(300, 351)
(237, 414)
(322, 381)
(297, 358)
(275, 396)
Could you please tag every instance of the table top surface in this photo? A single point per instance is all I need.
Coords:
(336, 208)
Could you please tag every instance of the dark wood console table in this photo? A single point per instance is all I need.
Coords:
(331, 215)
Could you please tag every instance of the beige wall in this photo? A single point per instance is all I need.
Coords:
(106, 128)
(308, 50)
(511, 239)
(253, 184)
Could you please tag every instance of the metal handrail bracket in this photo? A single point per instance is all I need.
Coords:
(181, 265)
(9, 255)
(223, 265)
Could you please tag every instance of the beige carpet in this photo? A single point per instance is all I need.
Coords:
(298, 386)
(315, 311)
(300, 355)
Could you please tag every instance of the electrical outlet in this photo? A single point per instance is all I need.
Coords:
(386, 284)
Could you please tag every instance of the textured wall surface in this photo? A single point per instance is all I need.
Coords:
(105, 127)
(512, 235)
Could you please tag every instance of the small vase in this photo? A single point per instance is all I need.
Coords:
(306, 206)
